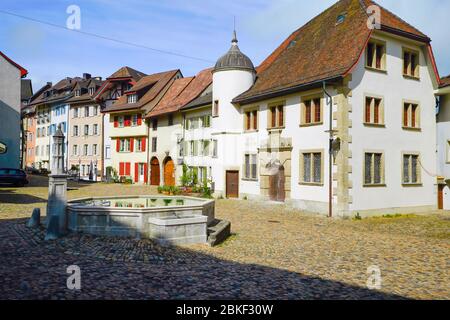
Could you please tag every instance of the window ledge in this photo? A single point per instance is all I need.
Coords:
(376, 70)
(306, 125)
(407, 76)
(249, 180)
(411, 129)
(374, 125)
(412, 184)
(275, 129)
(251, 131)
(382, 185)
(311, 184)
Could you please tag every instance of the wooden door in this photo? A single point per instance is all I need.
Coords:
(154, 172)
(232, 184)
(441, 196)
(169, 173)
(276, 185)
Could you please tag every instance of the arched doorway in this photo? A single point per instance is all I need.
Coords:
(154, 172)
(169, 172)
(276, 183)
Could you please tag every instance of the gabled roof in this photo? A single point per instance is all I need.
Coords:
(148, 88)
(322, 49)
(23, 71)
(85, 96)
(127, 72)
(182, 92)
(60, 92)
(202, 101)
(445, 81)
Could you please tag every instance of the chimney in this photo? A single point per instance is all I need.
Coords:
(98, 78)
(86, 76)
(50, 84)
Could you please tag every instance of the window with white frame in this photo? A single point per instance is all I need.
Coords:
(311, 167)
(86, 111)
(373, 169)
(75, 112)
(132, 98)
(91, 91)
(95, 129)
(411, 169)
(94, 150)
(86, 130)
(154, 144)
(139, 142)
(75, 150)
(85, 150)
(214, 149)
(250, 167)
(121, 121)
(75, 131)
(206, 150)
(134, 120)
(124, 145)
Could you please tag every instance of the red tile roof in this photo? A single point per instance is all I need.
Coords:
(321, 49)
(445, 81)
(182, 92)
(148, 87)
(127, 72)
(23, 71)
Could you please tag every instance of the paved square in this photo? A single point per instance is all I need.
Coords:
(275, 253)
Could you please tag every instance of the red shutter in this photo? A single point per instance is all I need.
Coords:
(131, 144)
(128, 168)
(144, 144)
(118, 145)
(136, 172)
(139, 119)
(127, 121)
(145, 173)
(121, 169)
(116, 122)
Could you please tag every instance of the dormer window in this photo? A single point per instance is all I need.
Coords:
(77, 93)
(132, 98)
(91, 91)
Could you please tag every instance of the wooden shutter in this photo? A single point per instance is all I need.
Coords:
(145, 172)
(127, 121)
(121, 169)
(308, 111)
(128, 168)
(139, 119)
(131, 144)
(281, 116)
(144, 144)
(136, 172)
(116, 122)
(118, 145)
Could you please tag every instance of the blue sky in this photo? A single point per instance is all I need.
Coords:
(200, 28)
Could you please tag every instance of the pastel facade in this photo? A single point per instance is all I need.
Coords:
(443, 143)
(10, 102)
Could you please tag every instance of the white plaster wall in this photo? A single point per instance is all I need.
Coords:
(10, 112)
(42, 142)
(443, 135)
(393, 139)
(57, 120)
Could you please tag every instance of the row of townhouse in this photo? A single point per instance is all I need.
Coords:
(340, 119)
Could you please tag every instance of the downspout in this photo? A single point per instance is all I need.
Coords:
(330, 154)
(147, 123)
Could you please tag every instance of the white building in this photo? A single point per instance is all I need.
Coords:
(273, 126)
(10, 94)
(443, 142)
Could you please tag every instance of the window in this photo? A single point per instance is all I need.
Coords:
(85, 150)
(75, 112)
(86, 111)
(132, 98)
(411, 63)
(206, 121)
(155, 124)
(250, 167)
(215, 149)
(91, 91)
(170, 119)
(376, 55)
(311, 111)
(121, 121)
(251, 120)
(154, 144)
(373, 111)
(411, 115)
(95, 110)
(448, 152)
(95, 129)
(205, 148)
(107, 152)
(139, 143)
(215, 112)
(124, 145)
(86, 130)
(75, 150)
(311, 167)
(134, 120)
(373, 169)
(276, 116)
(77, 93)
(75, 131)
(411, 169)
(191, 147)
(94, 149)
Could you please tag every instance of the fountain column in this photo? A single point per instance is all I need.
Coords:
(57, 190)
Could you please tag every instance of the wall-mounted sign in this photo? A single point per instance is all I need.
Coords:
(3, 148)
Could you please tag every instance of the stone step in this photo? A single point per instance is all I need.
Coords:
(218, 232)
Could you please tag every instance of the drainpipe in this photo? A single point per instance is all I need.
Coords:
(330, 154)
(147, 147)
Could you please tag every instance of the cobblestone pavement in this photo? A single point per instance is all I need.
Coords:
(275, 253)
